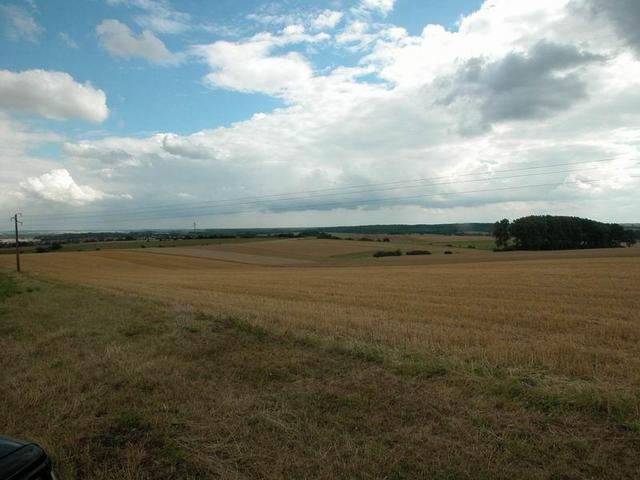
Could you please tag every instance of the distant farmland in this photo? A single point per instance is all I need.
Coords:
(535, 355)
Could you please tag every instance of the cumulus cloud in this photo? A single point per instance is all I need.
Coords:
(20, 24)
(58, 186)
(538, 83)
(498, 28)
(532, 84)
(250, 66)
(23, 184)
(328, 19)
(509, 62)
(51, 94)
(17, 162)
(118, 39)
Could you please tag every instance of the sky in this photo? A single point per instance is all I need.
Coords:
(123, 114)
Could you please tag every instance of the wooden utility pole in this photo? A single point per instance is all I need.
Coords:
(16, 222)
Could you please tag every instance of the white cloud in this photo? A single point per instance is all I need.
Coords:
(497, 29)
(380, 6)
(20, 23)
(275, 18)
(158, 15)
(16, 161)
(328, 19)
(274, 15)
(108, 157)
(68, 40)
(440, 103)
(356, 33)
(23, 187)
(197, 146)
(16, 138)
(59, 186)
(118, 39)
(51, 94)
(112, 153)
(249, 66)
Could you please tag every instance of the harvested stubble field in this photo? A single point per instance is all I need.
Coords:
(486, 366)
(305, 251)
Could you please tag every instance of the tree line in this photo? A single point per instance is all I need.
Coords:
(547, 232)
(404, 229)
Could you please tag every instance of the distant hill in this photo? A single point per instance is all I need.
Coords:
(442, 229)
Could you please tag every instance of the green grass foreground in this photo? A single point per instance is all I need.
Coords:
(120, 387)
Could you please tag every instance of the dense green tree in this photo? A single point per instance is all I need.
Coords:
(546, 232)
(501, 233)
(630, 237)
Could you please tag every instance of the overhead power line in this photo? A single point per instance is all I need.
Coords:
(351, 204)
(350, 187)
(310, 194)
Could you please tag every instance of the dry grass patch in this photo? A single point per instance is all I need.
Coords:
(116, 386)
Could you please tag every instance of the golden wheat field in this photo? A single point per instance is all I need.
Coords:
(575, 313)
(311, 359)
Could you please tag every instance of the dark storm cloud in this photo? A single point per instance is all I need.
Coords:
(520, 86)
(625, 15)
